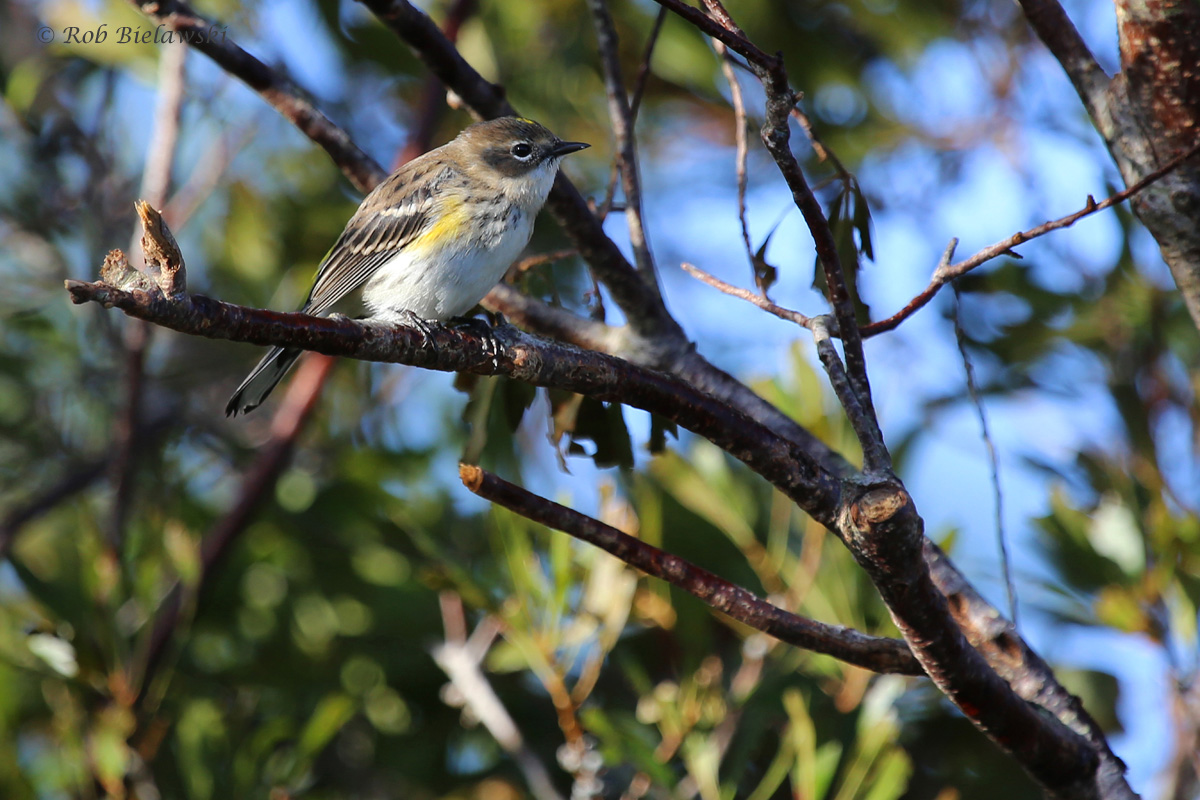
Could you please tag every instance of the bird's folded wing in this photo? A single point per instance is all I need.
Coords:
(385, 224)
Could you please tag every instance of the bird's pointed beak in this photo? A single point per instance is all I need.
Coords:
(566, 148)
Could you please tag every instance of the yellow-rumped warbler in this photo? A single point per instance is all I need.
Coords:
(431, 240)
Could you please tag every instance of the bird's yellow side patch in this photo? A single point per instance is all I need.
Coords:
(452, 222)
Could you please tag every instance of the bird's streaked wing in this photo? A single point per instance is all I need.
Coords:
(380, 229)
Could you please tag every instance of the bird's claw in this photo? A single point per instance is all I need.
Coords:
(486, 332)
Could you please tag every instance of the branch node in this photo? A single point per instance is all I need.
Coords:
(878, 505)
(164, 261)
(117, 272)
(471, 476)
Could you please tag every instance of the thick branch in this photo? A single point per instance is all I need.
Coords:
(1057, 32)
(521, 356)
(870, 652)
(884, 532)
(1147, 115)
(1014, 660)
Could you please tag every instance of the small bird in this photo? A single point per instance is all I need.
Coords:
(434, 237)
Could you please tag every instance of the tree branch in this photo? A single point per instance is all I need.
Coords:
(642, 306)
(282, 94)
(947, 272)
(776, 135)
(520, 356)
(620, 116)
(1014, 660)
(747, 295)
(870, 652)
(1057, 32)
(884, 532)
(1147, 114)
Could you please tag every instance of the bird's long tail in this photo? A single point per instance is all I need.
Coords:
(261, 381)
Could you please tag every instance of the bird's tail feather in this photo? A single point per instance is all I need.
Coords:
(261, 381)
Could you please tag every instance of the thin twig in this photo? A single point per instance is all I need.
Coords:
(643, 74)
(747, 295)
(635, 103)
(553, 321)
(718, 25)
(776, 135)
(947, 272)
(873, 653)
(621, 119)
(739, 137)
(606, 206)
(840, 381)
(960, 337)
(536, 260)
(819, 147)
(205, 177)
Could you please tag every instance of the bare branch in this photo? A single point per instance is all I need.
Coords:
(643, 73)
(1057, 32)
(747, 295)
(993, 459)
(947, 272)
(776, 136)
(870, 652)
(280, 92)
(1030, 677)
(739, 138)
(843, 387)
(620, 116)
(719, 26)
(1146, 114)
(876, 521)
(521, 356)
(639, 87)
(884, 532)
(558, 323)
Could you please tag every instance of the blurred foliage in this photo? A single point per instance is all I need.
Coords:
(306, 666)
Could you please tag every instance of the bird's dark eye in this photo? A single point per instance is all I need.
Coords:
(522, 150)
